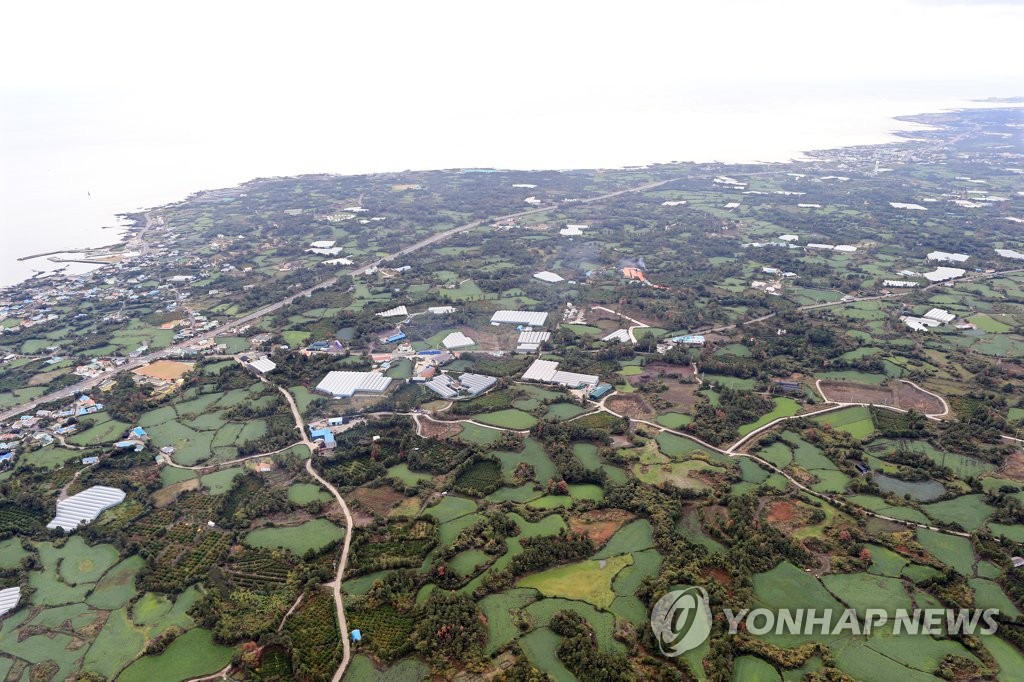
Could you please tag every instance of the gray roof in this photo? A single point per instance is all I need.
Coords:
(85, 507)
(533, 337)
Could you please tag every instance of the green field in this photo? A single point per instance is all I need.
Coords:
(856, 421)
(304, 493)
(507, 419)
(784, 407)
(193, 654)
(589, 581)
(311, 535)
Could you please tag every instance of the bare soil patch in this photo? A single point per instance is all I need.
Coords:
(719, 575)
(164, 496)
(378, 500)
(912, 398)
(1013, 467)
(633, 406)
(429, 429)
(600, 524)
(846, 392)
(165, 370)
(781, 512)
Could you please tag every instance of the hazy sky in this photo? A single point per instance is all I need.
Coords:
(247, 66)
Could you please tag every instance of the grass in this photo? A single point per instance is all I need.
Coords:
(645, 565)
(754, 669)
(304, 493)
(674, 420)
(481, 435)
(498, 610)
(117, 586)
(193, 654)
(679, 446)
(989, 324)
(563, 411)
(80, 563)
(103, 430)
(451, 507)
(11, 553)
(988, 595)
(603, 622)
(589, 581)
(540, 647)
(784, 407)
(465, 563)
(508, 419)
(864, 591)
(114, 648)
(549, 525)
(970, 511)
(311, 535)
(951, 550)
(403, 473)
(532, 454)
(856, 421)
(219, 481)
(633, 537)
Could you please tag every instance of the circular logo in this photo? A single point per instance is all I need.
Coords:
(681, 620)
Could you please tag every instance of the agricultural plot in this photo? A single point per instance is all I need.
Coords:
(784, 407)
(311, 535)
(633, 537)
(191, 655)
(949, 549)
(507, 419)
(498, 610)
(589, 581)
(856, 421)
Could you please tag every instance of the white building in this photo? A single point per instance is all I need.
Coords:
(546, 372)
(940, 315)
(618, 335)
(523, 317)
(467, 385)
(263, 365)
(441, 310)
(9, 599)
(899, 284)
(549, 277)
(457, 340)
(529, 342)
(943, 256)
(789, 237)
(398, 311)
(85, 507)
(941, 274)
(322, 244)
(1010, 253)
(347, 384)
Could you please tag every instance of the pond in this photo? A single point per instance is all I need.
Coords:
(923, 491)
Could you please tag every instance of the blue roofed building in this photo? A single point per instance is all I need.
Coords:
(325, 435)
(139, 432)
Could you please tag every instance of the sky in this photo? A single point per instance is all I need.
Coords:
(108, 107)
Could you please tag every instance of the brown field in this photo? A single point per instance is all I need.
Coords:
(846, 392)
(682, 396)
(719, 575)
(164, 496)
(910, 398)
(46, 377)
(599, 525)
(898, 394)
(1013, 467)
(429, 429)
(407, 507)
(378, 500)
(632, 406)
(165, 370)
(781, 512)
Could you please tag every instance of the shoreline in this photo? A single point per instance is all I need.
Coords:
(134, 220)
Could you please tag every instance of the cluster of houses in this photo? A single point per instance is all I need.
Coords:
(43, 427)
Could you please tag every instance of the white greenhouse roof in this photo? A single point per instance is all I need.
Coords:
(546, 276)
(394, 312)
(322, 244)
(85, 507)
(951, 257)
(263, 365)
(9, 599)
(1010, 253)
(533, 337)
(546, 371)
(441, 309)
(346, 384)
(457, 340)
(943, 316)
(618, 335)
(527, 317)
(475, 383)
(942, 273)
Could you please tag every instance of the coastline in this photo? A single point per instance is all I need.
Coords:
(897, 129)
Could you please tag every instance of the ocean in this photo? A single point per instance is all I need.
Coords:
(67, 172)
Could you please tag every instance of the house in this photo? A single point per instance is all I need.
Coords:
(357, 636)
(140, 433)
(335, 421)
(90, 460)
(7, 458)
(394, 338)
(129, 445)
(1017, 561)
